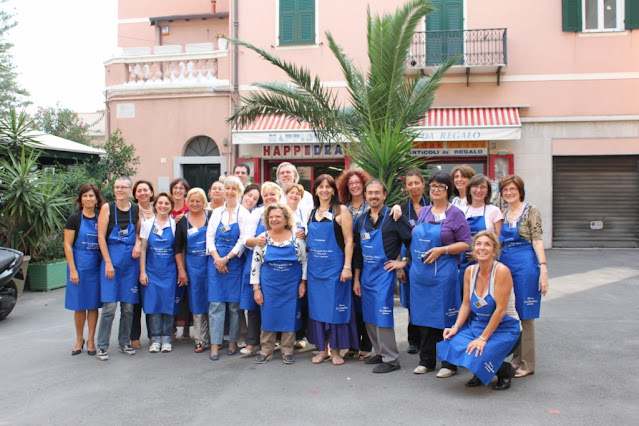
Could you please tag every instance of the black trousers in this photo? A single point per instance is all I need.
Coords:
(365, 344)
(428, 348)
(254, 327)
(136, 326)
(414, 336)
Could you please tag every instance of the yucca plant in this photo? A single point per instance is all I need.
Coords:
(383, 103)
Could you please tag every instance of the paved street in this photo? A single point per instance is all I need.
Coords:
(587, 370)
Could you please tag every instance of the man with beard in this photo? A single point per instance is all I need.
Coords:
(378, 241)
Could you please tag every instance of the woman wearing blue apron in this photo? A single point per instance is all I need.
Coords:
(158, 274)
(278, 276)
(481, 215)
(271, 194)
(414, 185)
(440, 235)
(523, 253)
(120, 268)
(83, 265)
(225, 266)
(350, 186)
(330, 252)
(487, 328)
(191, 259)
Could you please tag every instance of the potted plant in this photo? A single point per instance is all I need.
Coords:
(222, 41)
(48, 269)
(30, 200)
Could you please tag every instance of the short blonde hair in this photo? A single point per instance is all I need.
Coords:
(271, 185)
(232, 181)
(493, 238)
(196, 191)
(297, 186)
(286, 211)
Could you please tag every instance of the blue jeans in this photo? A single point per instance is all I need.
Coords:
(161, 328)
(217, 313)
(106, 322)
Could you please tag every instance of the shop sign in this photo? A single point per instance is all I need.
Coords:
(450, 149)
(470, 134)
(316, 150)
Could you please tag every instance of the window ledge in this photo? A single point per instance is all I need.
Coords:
(604, 33)
(298, 46)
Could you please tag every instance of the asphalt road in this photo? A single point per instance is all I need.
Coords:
(587, 370)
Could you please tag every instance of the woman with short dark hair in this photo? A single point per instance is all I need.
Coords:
(83, 265)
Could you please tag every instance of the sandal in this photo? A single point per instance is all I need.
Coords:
(364, 355)
(320, 358)
(337, 360)
(350, 354)
(523, 373)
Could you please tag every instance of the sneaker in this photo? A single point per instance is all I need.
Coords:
(154, 348)
(301, 344)
(127, 350)
(445, 373)
(420, 369)
(102, 355)
(167, 347)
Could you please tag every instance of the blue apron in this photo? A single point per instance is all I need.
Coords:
(435, 297)
(498, 347)
(357, 300)
(86, 256)
(161, 295)
(519, 255)
(404, 288)
(226, 287)
(377, 284)
(329, 299)
(195, 261)
(280, 278)
(476, 224)
(124, 285)
(247, 299)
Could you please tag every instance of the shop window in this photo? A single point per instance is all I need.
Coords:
(600, 15)
(297, 22)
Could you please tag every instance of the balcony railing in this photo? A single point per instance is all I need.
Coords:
(166, 66)
(482, 47)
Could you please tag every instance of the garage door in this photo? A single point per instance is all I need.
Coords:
(596, 201)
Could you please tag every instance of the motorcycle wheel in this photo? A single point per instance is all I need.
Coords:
(8, 299)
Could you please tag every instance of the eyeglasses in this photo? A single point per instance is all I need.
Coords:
(480, 188)
(181, 188)
(121, 188)
(434, 187)
(355, 183)
(507, 190)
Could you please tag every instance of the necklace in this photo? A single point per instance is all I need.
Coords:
(148, 211)
(511, 214)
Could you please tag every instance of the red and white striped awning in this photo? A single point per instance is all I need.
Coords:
(439, 124)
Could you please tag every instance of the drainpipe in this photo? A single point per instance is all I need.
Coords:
(236, 24)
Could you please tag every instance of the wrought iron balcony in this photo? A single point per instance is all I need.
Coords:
(483, 49)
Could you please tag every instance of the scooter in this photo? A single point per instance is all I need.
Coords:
(10, 267)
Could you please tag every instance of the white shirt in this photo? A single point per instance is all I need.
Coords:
(462, 203)
(251, 225)
(241, 216)
(146, 224)
(493, 214)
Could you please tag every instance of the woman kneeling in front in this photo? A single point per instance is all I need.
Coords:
(483, 342)
(278, 276)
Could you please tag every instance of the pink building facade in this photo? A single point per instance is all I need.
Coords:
(547, 90)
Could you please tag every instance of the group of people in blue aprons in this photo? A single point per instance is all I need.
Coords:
(262, 264)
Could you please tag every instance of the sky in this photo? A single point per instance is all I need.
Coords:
(59, 50)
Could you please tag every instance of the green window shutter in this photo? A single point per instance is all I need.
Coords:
(306, 22)
(571, 15)
(632, 14)
(288, 16)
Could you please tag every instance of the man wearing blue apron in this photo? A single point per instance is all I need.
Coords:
(378, 241)
(119, 272)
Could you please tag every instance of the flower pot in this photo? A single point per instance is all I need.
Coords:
(47, 276)
(222, 43)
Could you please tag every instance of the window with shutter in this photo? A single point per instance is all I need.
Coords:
(297, 22)
(599, 15)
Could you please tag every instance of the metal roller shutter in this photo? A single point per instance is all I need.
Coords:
(596, 188)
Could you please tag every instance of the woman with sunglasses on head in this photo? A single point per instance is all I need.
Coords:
(83, 265)
(523, 253)
(481, 215)
(440, 234)
(461, 176)
(482, 342)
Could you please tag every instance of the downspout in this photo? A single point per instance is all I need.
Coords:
(236, 24)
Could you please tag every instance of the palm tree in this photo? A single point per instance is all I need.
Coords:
(383, 104)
